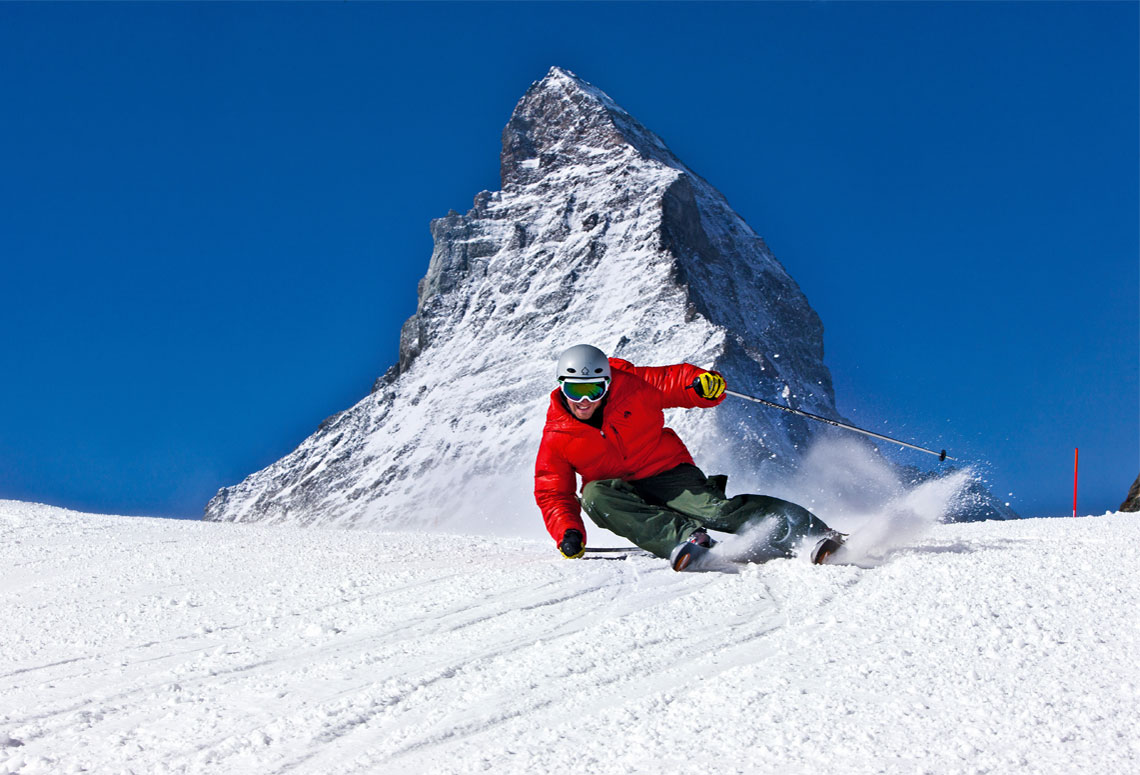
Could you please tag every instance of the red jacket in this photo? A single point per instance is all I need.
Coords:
(632, 444)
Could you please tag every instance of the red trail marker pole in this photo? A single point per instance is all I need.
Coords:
(1076, 460)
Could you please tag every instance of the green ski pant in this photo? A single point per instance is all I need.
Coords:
(661, 511)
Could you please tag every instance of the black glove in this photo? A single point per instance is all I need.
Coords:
(709, 385)
(571, 545)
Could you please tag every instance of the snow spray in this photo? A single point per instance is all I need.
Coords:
(856, 491)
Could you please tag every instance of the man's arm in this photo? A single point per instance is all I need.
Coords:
(554, 490)
(675, 384)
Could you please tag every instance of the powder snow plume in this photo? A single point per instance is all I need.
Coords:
(855, 490)
(903, 521)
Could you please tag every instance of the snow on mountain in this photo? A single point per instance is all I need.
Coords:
(161, 646)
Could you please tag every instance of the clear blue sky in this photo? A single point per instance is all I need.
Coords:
(213, 216)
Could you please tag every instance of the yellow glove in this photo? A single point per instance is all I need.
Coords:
(709, 385)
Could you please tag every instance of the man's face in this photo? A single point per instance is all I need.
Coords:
(583, 409)
(579, 392)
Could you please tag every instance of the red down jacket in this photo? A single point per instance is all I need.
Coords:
(633, 442)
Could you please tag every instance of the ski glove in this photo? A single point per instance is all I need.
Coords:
(709, 385)
(571, 545)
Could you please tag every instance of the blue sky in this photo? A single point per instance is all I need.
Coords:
(213, 216)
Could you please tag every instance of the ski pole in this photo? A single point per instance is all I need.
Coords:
(941, 455)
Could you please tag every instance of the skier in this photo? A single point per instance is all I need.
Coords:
(605, 423)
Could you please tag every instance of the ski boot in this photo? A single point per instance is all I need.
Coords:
(687, 555)
(831, 543)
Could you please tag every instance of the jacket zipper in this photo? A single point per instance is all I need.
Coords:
(617, 442)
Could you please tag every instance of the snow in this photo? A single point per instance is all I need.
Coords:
(157, 646)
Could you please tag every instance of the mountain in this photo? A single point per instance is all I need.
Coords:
(1132, 500)
(600, 234)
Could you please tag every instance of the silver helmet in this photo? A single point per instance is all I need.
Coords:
(583, 361)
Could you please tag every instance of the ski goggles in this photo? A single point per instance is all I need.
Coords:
(593, 390)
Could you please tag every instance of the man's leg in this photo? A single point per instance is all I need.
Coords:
(617, 506)
(687, 491)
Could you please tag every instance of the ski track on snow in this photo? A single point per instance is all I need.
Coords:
(161, 646)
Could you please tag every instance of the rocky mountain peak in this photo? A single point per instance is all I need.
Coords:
(564, 121)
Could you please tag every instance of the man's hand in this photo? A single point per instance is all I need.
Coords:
(709, 385)
(571, 545)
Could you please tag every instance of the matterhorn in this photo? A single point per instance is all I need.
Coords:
(599, 234)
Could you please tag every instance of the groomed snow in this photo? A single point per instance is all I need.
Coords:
(156, 646)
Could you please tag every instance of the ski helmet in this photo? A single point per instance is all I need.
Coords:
(583, 361)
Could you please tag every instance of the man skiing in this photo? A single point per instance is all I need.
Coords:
(606, 424)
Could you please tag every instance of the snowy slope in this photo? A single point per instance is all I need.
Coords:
(156, 646)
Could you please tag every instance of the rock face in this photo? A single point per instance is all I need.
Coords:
(1132, 502)
(599, 235)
